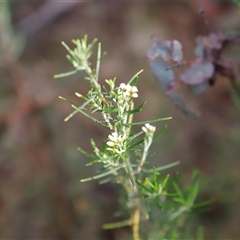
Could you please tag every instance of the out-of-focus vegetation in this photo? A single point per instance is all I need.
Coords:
(41, 196)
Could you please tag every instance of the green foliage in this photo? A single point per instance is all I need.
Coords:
(154, 202)
(11, 44)
(237, 2)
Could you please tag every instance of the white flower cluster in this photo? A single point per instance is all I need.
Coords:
(128, 91)
(116, 141)
(149, 129)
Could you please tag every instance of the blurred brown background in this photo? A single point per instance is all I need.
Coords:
(41, 196)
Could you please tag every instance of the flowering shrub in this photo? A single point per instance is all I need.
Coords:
(151, 195)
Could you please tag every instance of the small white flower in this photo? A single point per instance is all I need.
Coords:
(115, 139)
(110, 144)
(149, 129)
(133, 92)
(123, 87)
(128, 90)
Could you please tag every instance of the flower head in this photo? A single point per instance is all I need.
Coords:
(115, 140)
(149, 129)
(128, 91)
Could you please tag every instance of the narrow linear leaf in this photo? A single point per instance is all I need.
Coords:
(149, 183)
(143, 186)
(164, 183)
(130, 172)
(178, 190)
(105, 181)
(138, 143)
(203, 203)
(101, 175)
(177, 213)
(149, 121)
(67, 47)
(134, 136)
(65, 74)
(78, 109)
(116, 225)
(133, 80)
(111, 110)
(159, 134)
(135, 110)
(89, 48)
(194, 189)
(98, 61)
(179, 200)
(92, 156)
(162, 167)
